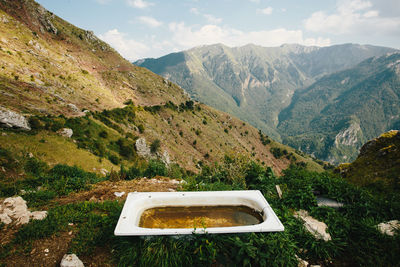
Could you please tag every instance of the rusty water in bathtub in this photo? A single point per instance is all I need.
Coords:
(199, 217)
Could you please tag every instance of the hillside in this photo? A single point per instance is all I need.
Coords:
(337, 114)
(377, 167)
(255, 83)
(51, 67)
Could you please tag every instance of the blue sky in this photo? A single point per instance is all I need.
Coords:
(153, 28)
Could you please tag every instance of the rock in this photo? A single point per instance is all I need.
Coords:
(4, 19)
(71, 260)
(302, 263)
(44, 18)
(389, 228)
(39, 215)
(104, 172)
(66, 132)
(4, 218)
(165, 157)
(16, 208)
(93, 199)
(142, 148)
(278, 190)
(119, 194)
(11, 119)
(73, 108)
(315, 227)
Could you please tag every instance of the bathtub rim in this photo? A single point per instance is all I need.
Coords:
(128, 221)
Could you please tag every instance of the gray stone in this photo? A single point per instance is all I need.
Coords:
(66, 132)
(11, 119)
(389, 228)
(142, 148)
(71, 260)
(315, 227)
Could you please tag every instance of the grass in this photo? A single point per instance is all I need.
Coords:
(355, 238)
(54, 150)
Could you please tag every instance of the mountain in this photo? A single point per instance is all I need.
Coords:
(252, 82)
(377, 167)
(52, 68)
(337, 114)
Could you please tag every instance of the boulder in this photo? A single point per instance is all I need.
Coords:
(389, 228)
(66, 132)
(11, 119)
(73, 108)
(71, 260)
(315, 227)
(15, 208)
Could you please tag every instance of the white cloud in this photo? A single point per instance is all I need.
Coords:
(150, 21)
(139, 3)
(128, 48)
(187, 36)
(265, 11)
(255, 1)
(210, 18)
(353, 17)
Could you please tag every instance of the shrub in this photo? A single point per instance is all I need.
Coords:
(156, 167)
(155, 146)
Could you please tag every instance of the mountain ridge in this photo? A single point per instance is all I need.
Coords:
(257, 83)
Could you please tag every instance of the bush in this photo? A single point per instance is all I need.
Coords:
(155, 146)
(156, 167)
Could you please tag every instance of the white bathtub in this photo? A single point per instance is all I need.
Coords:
(137, 203)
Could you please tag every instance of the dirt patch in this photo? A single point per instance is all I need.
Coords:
(43, 252)
(106, 190)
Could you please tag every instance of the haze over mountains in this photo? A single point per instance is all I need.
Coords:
(257, 84)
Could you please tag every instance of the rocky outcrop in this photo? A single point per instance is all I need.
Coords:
(315, 227)
(71, 260)
(348, 136)
(11, 119)
(142, 148)
(66, 132)
(15, 209)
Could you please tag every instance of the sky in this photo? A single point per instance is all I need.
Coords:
(153, 28)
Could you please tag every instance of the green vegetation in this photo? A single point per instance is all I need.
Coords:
(355, 239)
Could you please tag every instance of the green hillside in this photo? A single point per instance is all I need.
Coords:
(337, 114)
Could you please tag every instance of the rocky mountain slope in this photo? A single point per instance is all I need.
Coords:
(337, 114)
(52, 68)
(255, 83)
(377, 167)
